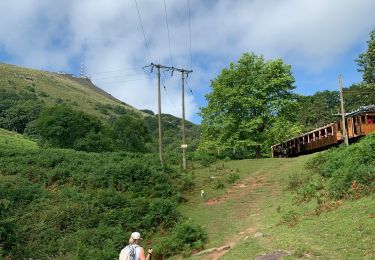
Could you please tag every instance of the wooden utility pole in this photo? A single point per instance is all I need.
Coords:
(344, 132)
(184, 145)
(159, 115)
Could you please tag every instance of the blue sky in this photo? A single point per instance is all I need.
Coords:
(318, 38)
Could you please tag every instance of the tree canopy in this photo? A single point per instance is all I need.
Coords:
(366, 60)
(245, 100)
(61, 126)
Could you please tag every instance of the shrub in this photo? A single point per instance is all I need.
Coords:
(290, 218)
(62, 126)
(345, 172)
(205, 159)
(218, 184)
(182, 239)
(68, 204)
(232, 178)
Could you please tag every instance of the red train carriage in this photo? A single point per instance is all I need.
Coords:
(358, 123)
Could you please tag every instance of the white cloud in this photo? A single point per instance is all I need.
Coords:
(310, 34)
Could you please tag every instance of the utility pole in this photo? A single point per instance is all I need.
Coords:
(344, 132)
(183, 73)
(159, 117)
(184, 145)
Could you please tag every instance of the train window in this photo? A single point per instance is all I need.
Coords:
(370, 120)
(329, 131)
(339, 126)
(363, 119)
(323, 133)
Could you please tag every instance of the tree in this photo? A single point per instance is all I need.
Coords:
(20, 114)
(282, 130)
(316, 110)
(61, 126)
(366, 61)
(130, 134)
(246, 99)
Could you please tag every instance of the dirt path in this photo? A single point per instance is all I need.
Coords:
(239, 192)
(239, 189)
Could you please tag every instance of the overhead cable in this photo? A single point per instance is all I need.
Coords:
(143, 31)
(169, 37)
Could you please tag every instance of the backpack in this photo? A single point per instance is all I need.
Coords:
(128, 253)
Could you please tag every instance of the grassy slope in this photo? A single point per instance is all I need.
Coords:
(54, 88)
(257, 204)
(12, 139)
(82, 95)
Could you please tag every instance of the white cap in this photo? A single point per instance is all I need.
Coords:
(136, 235)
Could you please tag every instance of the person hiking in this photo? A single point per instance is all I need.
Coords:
(134, 251)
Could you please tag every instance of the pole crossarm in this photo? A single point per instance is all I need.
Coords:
(169, 68)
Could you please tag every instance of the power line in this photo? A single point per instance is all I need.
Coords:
(169, 38)
(116, 70)
(143, 30)
(119, 76)
(169, 97)
(119, 81)
(188, 84)
(191, 57)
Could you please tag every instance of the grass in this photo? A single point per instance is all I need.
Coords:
(12, 139)
(55, 88)
(345, 233)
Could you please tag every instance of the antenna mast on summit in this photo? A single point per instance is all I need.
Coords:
(81, 71)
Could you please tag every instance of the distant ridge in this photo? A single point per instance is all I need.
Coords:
(57, 88)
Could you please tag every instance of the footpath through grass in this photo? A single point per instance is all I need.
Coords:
(259, 202)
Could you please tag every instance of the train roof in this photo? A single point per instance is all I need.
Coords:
(361, 110)
(364, 109)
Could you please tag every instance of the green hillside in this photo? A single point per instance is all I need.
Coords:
(54, 88)
(66, 204)
(25, 93)
(12, 139)
(253, 207)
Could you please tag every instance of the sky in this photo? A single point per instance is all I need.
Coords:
(320, 39)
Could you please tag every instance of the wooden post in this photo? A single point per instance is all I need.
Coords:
(344, 132)
(159, 117)
(183, 122)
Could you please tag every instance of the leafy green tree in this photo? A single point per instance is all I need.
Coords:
(61, 126)
(130, 134)
(20, 114)
(366, 61)
(318, 109)
(17, 109)
(282, 130)
(246, 99)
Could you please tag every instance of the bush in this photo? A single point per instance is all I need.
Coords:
(290, 218)
(205, 159)
(218, 185)
(232, 178)
(62, 126)
(58, 203)
(344, 172)
(183, 239)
